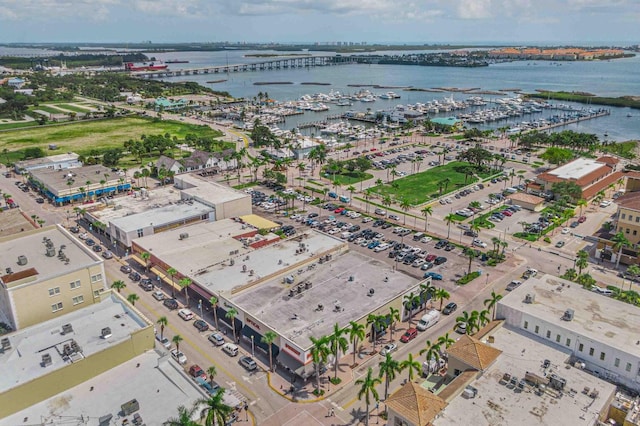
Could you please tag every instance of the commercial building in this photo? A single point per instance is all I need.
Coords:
(13, 222)
(46, 273)
(527, 201)
(226, 201)
(55, 162)
(298, 288)
(79, 184)
(599, 333)
(213, 162)
(53, 356)
(592, 176)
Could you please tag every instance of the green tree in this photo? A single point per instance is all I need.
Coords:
(176, 341)
(470, 320)
(319, 353)
(426, 212)
(556, 155)
(351, 190)
(445, 341)
(185, 283)
(570, 189)
(411, 365)
(214, 307)
(388, 368)
(394, 315)
(337, 343)
(268, 339)
(492, 302)
(411, 302)
(356, 334)
(172, 273)
(133, 298)
(231, 315)
(215, 411)
(582, 260)
(405, 205)
(619, 241)
(118, 285)
(185, 417)
(368, 390)
(432, 351)
(449, 219)
(441, 294)
(145, 255)
(471, 254)
(211, 372)
(376, 322)
(162, 322)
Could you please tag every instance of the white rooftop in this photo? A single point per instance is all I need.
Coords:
(496, 404)
(197, 186)
(137, 202)
(69, 156)
(345, 282)
(33, 246)
(158, 384)
(576, 169)
(162, 215)
(22, 362)
(598, 317)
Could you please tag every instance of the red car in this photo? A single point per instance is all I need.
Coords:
(507, 213)
(431, 257)
(339, 210)
(581, 219)
(408, 335)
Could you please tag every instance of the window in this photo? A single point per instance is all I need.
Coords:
(78, 300)
(74, 284)
(526, 325)
(590, 351)
(96, 293)
(58, 307)
(602, 356)
(624, 216)
(616, 363)
(580, 347)
(628, 367)
(630, 217)
(140, 233)
(96, 278)
(558, 338)
(635, 232)
(568, 342)
(637, 219)
(548, 334)
(626, 230)
(537, 329)
(53, 291)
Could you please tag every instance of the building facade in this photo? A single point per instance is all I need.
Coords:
(54, 162)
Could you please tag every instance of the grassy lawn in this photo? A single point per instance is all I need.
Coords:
(81, 137)
(348, 179)
(73, 108)
(48, 108)
(11, 125)
(421, 187)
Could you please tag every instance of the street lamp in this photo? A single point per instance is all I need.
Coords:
(199, 304)
(487, 280)
(253, 349)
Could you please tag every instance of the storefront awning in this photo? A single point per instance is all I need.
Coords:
(139, 261)
(257, 340)
(259, 222)
(293, 365)
(166, 279)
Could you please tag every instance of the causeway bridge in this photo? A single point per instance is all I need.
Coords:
(272, 64)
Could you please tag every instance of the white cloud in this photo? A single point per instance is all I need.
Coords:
(48, 9)
(475, 9)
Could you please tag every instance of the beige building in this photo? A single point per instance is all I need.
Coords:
(46, 273)
(628, 217)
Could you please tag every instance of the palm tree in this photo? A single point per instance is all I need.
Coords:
(411, 365)
(356, 334)
(483, 318)
(215, 410)
(368, 390)
(172, 272)
(214, 306)
(469, 320)
(582, 203)
(337, 343)
(441, 294)
(184, 283)
(582, 261)
(388, 368)
(426, 212)
(118, 285)
(394, 315)
(471, 254)
(231, 315)
(185, 416)
(427, 292)
(319, 353)
(268, 338)
(411, 301)
(163, 322)
(145, 256)
(432, 350)
(351, 190)
(449, 219)
(492, 302)
(176, 341)
(619, 241)
(132, 298)
(211, 372)
(376, 321)
(445, 341)
(405, 205)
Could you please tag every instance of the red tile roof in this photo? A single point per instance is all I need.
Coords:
(601, 185)
(629, 201)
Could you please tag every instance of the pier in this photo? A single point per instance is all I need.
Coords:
(273, 64)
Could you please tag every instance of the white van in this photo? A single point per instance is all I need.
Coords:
(428, 320)
(230, 349)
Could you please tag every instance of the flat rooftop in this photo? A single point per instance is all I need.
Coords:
(70, 156)
(22, 363)
(57, 179)
(32, 245)
(161, 215)
(157, 383)
(197, 186)
(12, 222)
(345, 281)
(496, 404)
(596, 316)
(577, 168)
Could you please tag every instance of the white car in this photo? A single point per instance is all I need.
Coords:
(179, 356)
(164, 341)
(185, 314)
(158, 295)
(605, 203)
(425, 239)
(566, 230)
(367, 219)
(479, 243)
(248, 190)
(388, 348)
(381, 247)
(83, 236)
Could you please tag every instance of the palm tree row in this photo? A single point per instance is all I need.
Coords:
(212, 411)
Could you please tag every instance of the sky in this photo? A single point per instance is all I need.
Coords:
(388, 21)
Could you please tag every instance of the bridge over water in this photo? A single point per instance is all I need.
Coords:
(283, 63)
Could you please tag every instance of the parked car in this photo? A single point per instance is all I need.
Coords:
(479, 243)
(97, 248)
(170, 303)
(164, 341)
(126, 269)
(560, 244)
(134, 276)
(179, 356)
(83, 236)
(185, 314)
(409, 335)
(74, 229)
(158, 295)
(107, 254)
(201, 325)
(450, 308)
(582, 219)
(441, 244)
(388, 348)
(513, 285)
(89, 242)
(248, 363)
(439, 260)
(433, 275)
(216, 338)
(146, 284)
(196, 371)
(230, 349)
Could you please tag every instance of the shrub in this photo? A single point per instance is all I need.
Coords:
(547, 239)
(468, 278)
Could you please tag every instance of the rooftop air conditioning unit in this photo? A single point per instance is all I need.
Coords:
(46, 359)
(51, 251)
(530, 298)
(22, 260)
(66, 329)
(6, 344)
(105, 333)
(184, 236)
(568, 315)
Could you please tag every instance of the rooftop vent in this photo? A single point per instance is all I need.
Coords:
(46, 359)
(8, 271)
(22, 260)
(568, 315)
(530, 298)
(66, 329)
(371, 292)
(105, 333)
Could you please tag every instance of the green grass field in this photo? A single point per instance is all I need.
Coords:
(12, 125)
(84, 136)
(48, 108)
(73, 108)
(421, 187)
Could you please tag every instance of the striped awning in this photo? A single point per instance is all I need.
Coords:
(165, 278)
